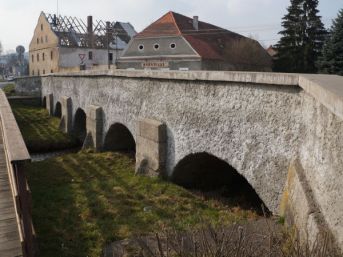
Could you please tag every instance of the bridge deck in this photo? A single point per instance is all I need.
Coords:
(10, 245)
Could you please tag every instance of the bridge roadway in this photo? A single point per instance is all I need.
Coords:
(9, 234)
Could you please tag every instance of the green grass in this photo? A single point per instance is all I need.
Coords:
(83, 201)
(40, 131)
(9, 89)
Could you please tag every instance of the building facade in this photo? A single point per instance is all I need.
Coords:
(62, 44)
(177, 42)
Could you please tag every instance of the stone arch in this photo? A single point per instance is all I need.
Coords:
(119, 138)
(79, 125)
(58, 110)
(205, 172)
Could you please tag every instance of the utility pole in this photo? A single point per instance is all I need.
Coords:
(108, 27)
(116, 36)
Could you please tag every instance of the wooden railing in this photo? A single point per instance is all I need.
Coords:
(16, 156)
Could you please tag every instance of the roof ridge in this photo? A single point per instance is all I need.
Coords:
(177, 25)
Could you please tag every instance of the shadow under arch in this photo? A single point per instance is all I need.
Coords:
(119, 138)
(44, 102)
(58, 110)
(217, 179)
(79, 125)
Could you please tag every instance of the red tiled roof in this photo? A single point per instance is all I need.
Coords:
(209, 41)
(165, 26)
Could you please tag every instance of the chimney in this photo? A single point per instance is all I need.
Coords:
(90, 24)
(90, 31)
(196, 22)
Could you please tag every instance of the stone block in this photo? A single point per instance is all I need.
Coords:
(152, 129)
(94, 125)
(299, 207)
(154, 152)
(50, 104)
(66, 119)
(151, 147)
(94, 112)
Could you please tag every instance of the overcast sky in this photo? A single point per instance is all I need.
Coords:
(259, 18)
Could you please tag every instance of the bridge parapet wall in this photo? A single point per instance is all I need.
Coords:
(29, 86)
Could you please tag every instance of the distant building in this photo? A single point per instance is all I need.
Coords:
(177, 42)
(14, 65)
(272, 51)
(67, 44)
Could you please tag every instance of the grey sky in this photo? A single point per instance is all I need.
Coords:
(259, 18)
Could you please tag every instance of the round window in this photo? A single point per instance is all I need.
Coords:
(141, 47)
(172, 45)
(156, 46)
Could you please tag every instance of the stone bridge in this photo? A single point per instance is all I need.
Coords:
(283, 133)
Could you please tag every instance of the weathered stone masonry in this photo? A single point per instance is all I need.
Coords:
(259, 123)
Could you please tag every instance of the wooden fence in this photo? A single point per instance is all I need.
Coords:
(16, 156)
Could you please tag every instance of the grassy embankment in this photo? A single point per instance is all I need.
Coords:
(83, 201)
(9, 89)
(40, 131)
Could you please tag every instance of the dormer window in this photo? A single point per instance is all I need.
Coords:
(156, 47)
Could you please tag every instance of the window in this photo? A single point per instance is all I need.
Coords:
(41, 40)
(156, 47)
(110, 57)
(51, 55)
(32, 58)
(43, 56)
(37, 40)
(41, 27)
(33, 73)
(46, 39)
(141, 47)
(52, 71)
(37, 57)
(38, 73)
(172, 45)
(90, 55)
(43, 72)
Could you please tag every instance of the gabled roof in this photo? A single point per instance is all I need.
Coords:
(72, 32)
(209, 41)
(173, 24)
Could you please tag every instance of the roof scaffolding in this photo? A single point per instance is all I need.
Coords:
(73, 32)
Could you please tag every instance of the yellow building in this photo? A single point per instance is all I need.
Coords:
(62, 44)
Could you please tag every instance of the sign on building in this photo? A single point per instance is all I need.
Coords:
(155, 64)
